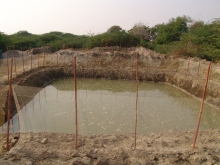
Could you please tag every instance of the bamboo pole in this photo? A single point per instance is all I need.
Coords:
(201, 107)
(76, 112)
(135, 128)
(9, 107)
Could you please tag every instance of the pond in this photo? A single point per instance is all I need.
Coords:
(108, 107)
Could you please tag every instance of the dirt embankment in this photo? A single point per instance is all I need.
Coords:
(34, 51)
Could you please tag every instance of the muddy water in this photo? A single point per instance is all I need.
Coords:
(108, 107)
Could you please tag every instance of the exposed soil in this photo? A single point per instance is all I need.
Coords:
(160, 148)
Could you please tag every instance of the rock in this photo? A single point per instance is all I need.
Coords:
(98, 143)
(14, 141)
(217, 150)
(78, 161)
(14, 151)
(30, 137)
(121, 153)
(76, 154)
(114, 162)
(164, 144)
(203, 158)
(25, 141)
(44, 140)
(96, 151)
(81, 142)
(134, 161)
(28, 163)
(101, 161)
(16, 137)
(6, 157)
(45, 49)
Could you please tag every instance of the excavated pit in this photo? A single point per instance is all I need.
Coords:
(163, 148)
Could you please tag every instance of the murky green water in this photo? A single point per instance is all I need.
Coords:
(108, 107)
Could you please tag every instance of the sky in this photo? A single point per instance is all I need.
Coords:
(84, 17)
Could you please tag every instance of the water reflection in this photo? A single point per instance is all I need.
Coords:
(108, 107)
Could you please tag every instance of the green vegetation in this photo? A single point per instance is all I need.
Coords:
(23, 40)
(4, 41)
(181, 36)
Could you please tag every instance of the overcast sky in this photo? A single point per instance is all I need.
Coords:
(96, 16)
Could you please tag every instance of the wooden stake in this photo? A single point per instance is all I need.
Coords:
(9, 107)
(201, 107)
(135, 128)
(76, 113)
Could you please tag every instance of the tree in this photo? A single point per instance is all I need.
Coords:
(153, 32)
(4, 41)
(114, 28)
(48, 37)
(141, 31)
(196, 24)
(23, 33)
(202, 40)
(173, 30)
